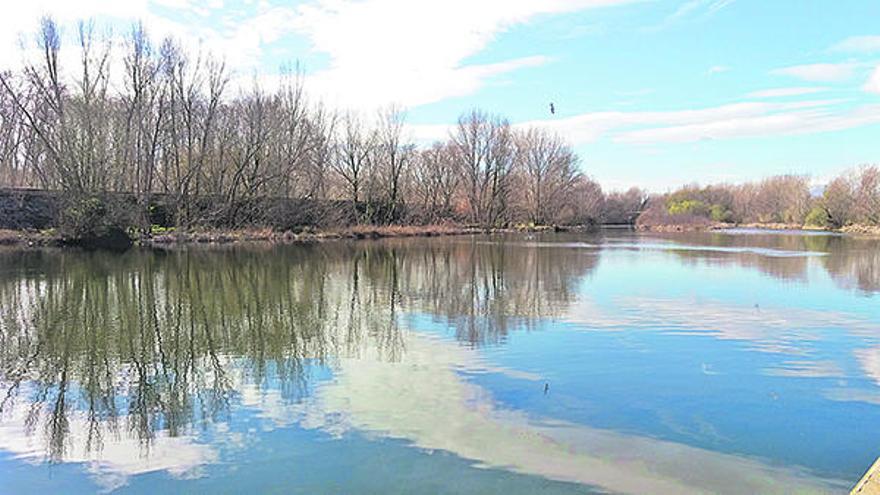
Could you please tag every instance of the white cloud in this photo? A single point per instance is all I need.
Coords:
(873, 84)
(717, 69)
(858, 44)
(771, 330)
(706, 7)
(120, 458)
(869, 359)
(820, 72)
(781, 92)
(731, 121)
(429, 133)
(20, 20)
(686, 8)
(380, 51)
(264, 24)
(387, 399)
(413, 53)
(693, 9)
(767, 121)
(239, 38)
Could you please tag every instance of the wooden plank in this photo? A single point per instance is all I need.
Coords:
(870, 482)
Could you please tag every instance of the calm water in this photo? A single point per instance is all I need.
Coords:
(616, 362)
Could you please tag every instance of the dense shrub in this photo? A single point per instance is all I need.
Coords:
(719, 213)
(688, 207)
(94, 221)
(817, 217)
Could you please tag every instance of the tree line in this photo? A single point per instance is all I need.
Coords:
(131, 134)
(852, 198)
(137, 121)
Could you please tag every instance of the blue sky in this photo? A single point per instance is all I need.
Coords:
(654, 93)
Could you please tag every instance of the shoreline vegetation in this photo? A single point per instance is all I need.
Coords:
(136, 142)
(50, 238)
(123, 135)
(852, 229)
(849, 204)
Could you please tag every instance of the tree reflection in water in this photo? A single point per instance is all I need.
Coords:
(151, 341)
(852, 262)
(150, 345)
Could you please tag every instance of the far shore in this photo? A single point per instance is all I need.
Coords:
(853, 230)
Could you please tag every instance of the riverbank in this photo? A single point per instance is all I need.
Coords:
(854, 230)
(50, 238)
(308, 235)
(28, 238)
(33, 238)
(225, 236)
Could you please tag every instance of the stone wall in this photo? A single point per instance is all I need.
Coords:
(32, 209)
(22, 209)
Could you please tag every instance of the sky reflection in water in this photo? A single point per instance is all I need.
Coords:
(725, 363)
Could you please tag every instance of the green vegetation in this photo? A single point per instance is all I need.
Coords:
(687, 207)
(719, 213)
(716, 212)
(160, 230)
(850, 199)
(817, 217)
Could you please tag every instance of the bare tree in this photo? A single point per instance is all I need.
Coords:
(293, 138)
(624, 207)
(143, 103)
(73, 133)
(550, 169)
(435, 180)
(18, 168)
(391, 159)
(867, 192)
(171, 134)
(196, 88)
(783, 198)
(350, 161)
(484, 152)
(585, 202)
(838, 200)
(321, 128)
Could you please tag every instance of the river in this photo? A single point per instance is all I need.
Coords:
(728, 362)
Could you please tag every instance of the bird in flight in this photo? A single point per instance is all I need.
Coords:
(552, 109)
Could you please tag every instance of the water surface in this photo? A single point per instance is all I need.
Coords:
(740, 362)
